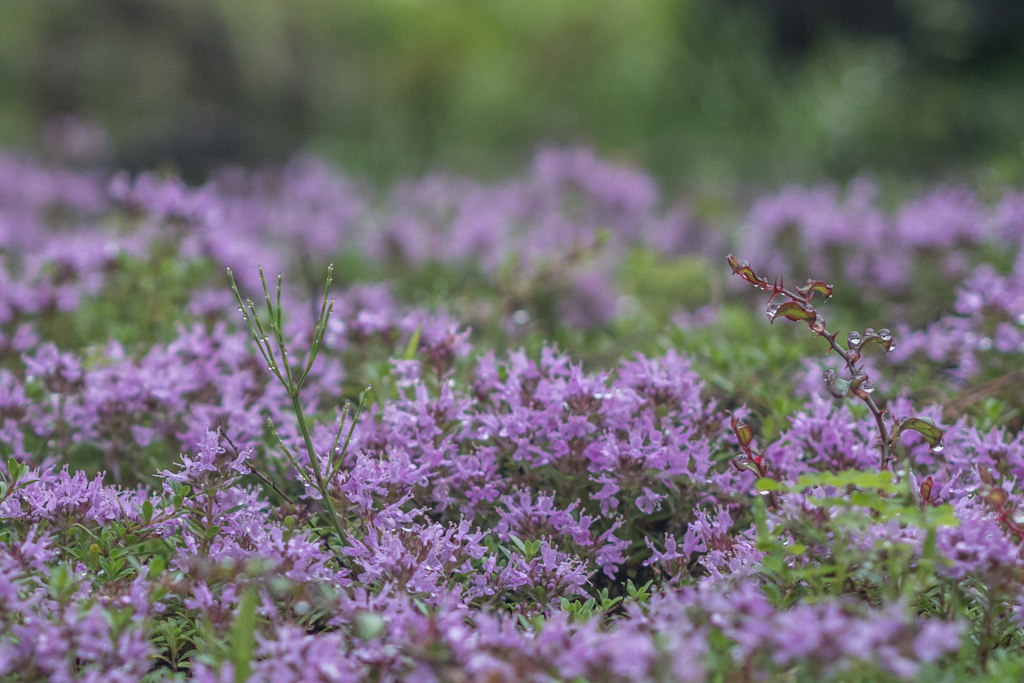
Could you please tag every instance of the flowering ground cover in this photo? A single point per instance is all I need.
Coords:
(532, 430)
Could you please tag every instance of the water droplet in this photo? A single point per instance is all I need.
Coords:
(819, 324)
(892, 345)
(1018, 517)
(830, 376)
(867, 386)
(870, 331)
(772, 310)
(884, 335)
(853, 340)
(764, 493)
(937, 448)
(901, 473)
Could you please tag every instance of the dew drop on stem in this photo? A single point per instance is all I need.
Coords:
(818, 325)
(853, 341)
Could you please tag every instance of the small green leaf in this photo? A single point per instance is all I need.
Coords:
(94, 555)
(942, 515)
(62, 583)
(414, 344)
(243, 636)
(812, 286)
(517, 542)
(881, 338)
(14, 470)
(744, 434)
(792, 310)
(767, 484)
(858, 478)
(924, 426)
(369, 625)
(743, 269)
(147, 512)
(837, 386)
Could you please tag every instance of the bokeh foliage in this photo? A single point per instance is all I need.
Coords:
(698, 91)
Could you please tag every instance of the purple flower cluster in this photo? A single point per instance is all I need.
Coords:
(849, 236)
(484, 504)
(833, 234)
(986, 329)
(499, 516)
(563, 228)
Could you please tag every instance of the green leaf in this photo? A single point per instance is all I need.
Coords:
(147, 512)
(14, 470)
(61, 583)
(792, 310)
(243, 636)
(837, 386)
(858, 478)
(941, 515)
(812, 286)
(517, 542)
(414, 344)
(743, 269)
(369, 625)
(767, 484)
(744, 434)
(94, 555)
(924, 426)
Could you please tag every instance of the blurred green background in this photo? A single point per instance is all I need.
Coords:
(700, 92)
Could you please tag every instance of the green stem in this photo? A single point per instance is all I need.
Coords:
(321, 484)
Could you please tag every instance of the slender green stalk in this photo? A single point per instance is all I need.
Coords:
(294, 386)
(321, 483)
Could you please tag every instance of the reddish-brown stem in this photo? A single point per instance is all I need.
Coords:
(878, 413)
(778, 287)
